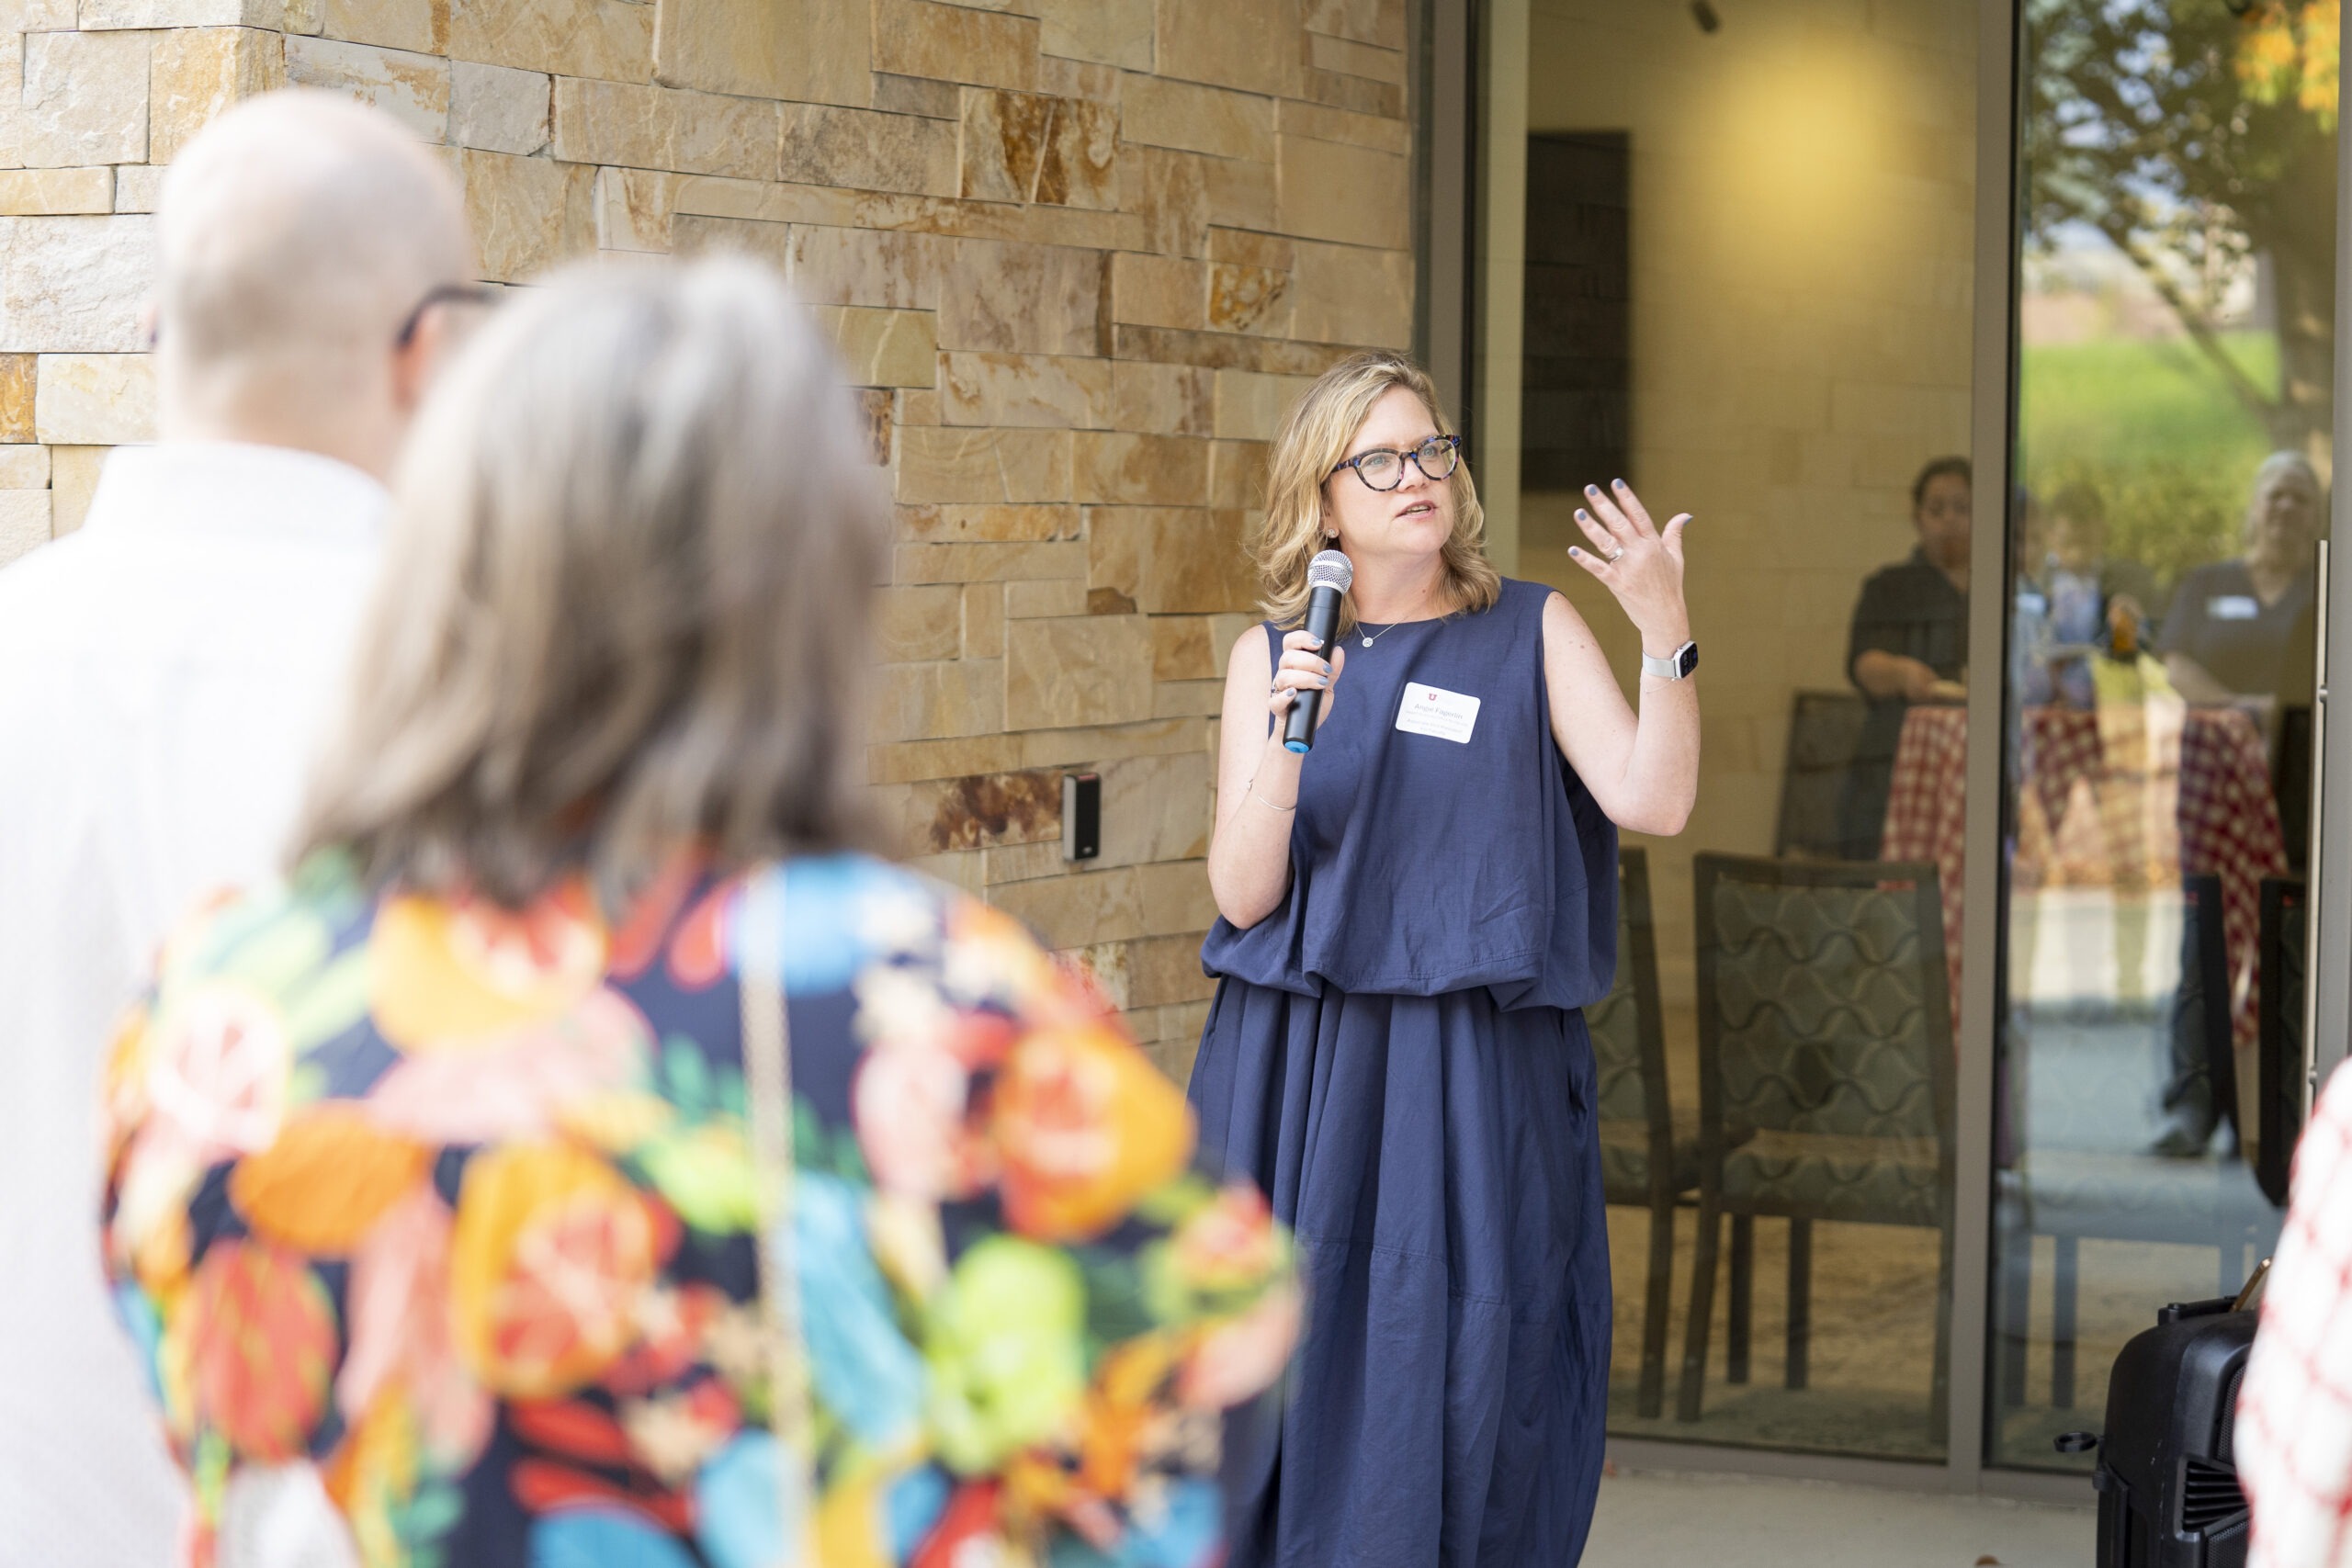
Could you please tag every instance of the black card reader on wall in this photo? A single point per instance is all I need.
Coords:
(1081, 816)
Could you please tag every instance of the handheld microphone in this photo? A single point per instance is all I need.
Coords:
(1327, 576)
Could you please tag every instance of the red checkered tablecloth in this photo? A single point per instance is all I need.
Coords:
(2166, 798)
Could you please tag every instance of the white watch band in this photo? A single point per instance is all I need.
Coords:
(1675, 665)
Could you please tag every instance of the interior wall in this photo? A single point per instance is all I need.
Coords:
(1803, 214)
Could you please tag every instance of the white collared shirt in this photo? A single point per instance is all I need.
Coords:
(163, 677)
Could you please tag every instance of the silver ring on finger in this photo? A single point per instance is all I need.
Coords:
(1615, 553)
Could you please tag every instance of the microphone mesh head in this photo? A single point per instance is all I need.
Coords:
(1329, 569)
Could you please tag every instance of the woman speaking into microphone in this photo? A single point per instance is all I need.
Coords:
(1414, 913)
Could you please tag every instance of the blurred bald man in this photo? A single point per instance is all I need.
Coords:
(162, 674)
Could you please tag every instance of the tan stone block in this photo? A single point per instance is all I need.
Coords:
(24, 523)
(412, 89)
(527, 213)
(1181, 648)
(302, 17)
(917, 94)
(825, 208)
(195, 73)
(865, 266)
(136, 187)
(1163, 399)
(1349, 58)
(1157, 809)
(85, 99)
(1023, 862)
(1160, 291)
(24, 467)
(1166, 113)
(75, 284)
(72, 480)
(1245, 247)
(1067, 911)
(1059, 393)
(18, 377)
(988, 563)
(946, 698)
(97, 16)
(733, 137)
(615, 122)
(1080, 164)
(1241, 195)
(951, 43)
(810, 52)
(882, 348)
(1357, 95)
(1295, 116)
(1249, 300)
(1250, 405)
(40, 16)
(919, 405)
(961, 869)
(1140, 470)
(95, 400)
(1061, 78)
(920, 622)
(1187, 699)
(1031, 147)
(1091, 745)
(419, 26)
(1237, 473)
(866, 151)
(1166, 971)
(1249, 44)
(917, 760)
(1111, 32)
(949, 463)
(51, 192)
(983, 613)
(633, 210)
(1323, 190)
(1055, 596)
(499, 110)
(1021, 298)
(1348, 294)
(607, 38)
(1172, 560)
(986, 811)
(1079, 669)
(872, 410)
(1380, 22)
(1168, 190)
(986, 524)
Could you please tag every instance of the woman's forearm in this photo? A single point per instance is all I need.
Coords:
(1249, 854)
(1660, 782)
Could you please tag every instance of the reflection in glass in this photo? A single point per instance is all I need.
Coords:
(2176, 329)
(1747, 288)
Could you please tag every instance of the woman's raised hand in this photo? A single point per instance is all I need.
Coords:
(1636, 560)
(1302, 669)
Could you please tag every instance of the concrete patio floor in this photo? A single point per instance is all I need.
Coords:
(1663, 1519)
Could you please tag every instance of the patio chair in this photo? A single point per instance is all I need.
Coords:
(1649, 1154)
(1822, 730)
(1825, 1072)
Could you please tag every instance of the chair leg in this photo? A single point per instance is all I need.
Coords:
(1703, 1309)
(1940, 1384)
(2017, 1310)
(1658, 1301)
(2062, 1279)
(1743, 1298)
(1800, 1302)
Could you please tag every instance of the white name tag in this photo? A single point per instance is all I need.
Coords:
(2232, 607)
(1429, 710)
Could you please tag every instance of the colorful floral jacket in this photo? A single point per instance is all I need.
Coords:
(455, 1205)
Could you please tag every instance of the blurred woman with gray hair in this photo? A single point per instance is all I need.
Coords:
(588, 1157)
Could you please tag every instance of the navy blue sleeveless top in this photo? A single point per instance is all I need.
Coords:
(1424, 862)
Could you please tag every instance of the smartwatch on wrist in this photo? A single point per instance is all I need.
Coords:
(1675, 666)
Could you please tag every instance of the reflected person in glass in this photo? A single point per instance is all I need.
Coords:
(2240, 630)
(1908, 642)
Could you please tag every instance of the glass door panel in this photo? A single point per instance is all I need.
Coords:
(1747, 270)
(2176, 183)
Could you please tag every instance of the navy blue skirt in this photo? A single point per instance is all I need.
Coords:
(1436, 1158)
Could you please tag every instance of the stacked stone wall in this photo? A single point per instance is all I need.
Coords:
(1077, 255)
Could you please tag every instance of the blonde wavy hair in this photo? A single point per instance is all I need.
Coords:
(1313, 440)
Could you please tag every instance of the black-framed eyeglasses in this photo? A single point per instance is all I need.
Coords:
(478, 294)
(1382, 470)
